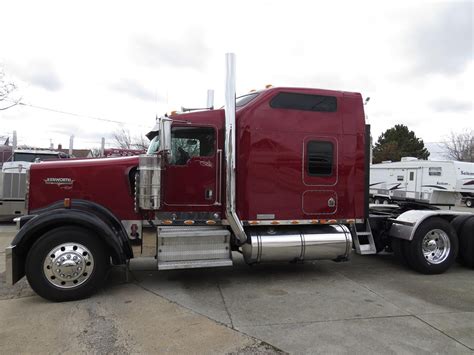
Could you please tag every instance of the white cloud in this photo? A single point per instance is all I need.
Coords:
(127, 62)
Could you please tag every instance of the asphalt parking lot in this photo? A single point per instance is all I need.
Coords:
(368, 305)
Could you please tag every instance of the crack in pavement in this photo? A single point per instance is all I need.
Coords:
(225, 305)
(402, 310)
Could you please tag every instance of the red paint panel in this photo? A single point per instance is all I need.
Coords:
(186, 185)
(104, 181)
(319, 202)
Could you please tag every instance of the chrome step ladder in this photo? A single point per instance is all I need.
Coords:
(365, 232)
(193, 247)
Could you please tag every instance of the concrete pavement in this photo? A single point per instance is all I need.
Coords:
(370, 304)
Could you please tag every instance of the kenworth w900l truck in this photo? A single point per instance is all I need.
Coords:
(280, 174)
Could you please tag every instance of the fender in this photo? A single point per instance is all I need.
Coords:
(406, 224)
(38, 225)
(100, 211)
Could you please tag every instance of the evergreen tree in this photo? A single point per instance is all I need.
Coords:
(398, 142)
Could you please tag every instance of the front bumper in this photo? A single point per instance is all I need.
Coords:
(15, 268)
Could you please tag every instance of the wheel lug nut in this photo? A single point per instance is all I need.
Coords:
(74, 258)
(62, 275)
(69, 256)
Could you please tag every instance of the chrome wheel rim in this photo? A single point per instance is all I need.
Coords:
(436, 246)
(68, 265)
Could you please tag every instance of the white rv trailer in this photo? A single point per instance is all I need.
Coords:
(426, 181)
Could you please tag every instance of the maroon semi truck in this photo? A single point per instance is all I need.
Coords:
(278, 175)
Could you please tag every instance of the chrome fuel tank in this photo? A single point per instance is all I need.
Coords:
(325, 242)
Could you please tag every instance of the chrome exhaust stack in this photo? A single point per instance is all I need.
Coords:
(230, 133)
(328, 242)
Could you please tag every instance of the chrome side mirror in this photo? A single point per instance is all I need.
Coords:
(165, 137)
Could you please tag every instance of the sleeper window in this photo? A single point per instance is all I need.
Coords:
(320, 156)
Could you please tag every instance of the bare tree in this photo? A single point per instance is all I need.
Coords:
(122, 139)
(460, 146)
(6, 89)
(96, 152)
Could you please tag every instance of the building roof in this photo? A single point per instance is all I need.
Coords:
(78, 153)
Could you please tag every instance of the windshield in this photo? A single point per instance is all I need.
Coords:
(31, 157)
(245, 99)
(154, 145)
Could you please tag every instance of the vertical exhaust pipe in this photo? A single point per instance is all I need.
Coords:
(230, 133)
(210, 99)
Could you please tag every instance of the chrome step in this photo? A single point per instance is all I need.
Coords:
(365, 248)
(173, 265)
(193, 247)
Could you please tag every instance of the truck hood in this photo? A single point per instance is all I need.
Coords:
(81, 163)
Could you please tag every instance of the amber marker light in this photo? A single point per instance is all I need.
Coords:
(167, 221)
(314, 221)
(253, 223)
(275, 222)
(210, 222)
(67, 203)
(188, 222)
(295, 222)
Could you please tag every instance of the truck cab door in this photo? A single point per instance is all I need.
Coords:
(190, 177)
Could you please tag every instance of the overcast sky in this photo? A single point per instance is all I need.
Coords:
(128, 61)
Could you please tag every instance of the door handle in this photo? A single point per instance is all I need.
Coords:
(208, 194)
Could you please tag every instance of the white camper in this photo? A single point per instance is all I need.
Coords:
(426, 181)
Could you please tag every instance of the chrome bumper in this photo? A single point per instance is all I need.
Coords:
(14, 266)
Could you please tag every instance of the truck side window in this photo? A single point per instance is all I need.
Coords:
(305, 102)
(189, 142)
(320, 158)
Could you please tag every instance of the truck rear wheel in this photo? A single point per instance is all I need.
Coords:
(468, 202)
(466, 242)
(434, 247)
(66, 263)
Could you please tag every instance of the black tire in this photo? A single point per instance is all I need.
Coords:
(466, 242)
(469, 202)
(39, 253)
(458, 223)
(399, 251)
(413, 250)
(378, 200)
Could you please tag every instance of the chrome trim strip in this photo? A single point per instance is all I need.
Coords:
(297, 222)
(230, 134)
(219, 178)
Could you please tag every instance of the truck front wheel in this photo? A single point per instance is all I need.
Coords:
(468, 202)
(66, 263)
(434, 247)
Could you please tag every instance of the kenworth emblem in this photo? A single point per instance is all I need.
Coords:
(58, 181)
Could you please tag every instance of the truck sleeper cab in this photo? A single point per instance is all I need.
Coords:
(278, 175)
